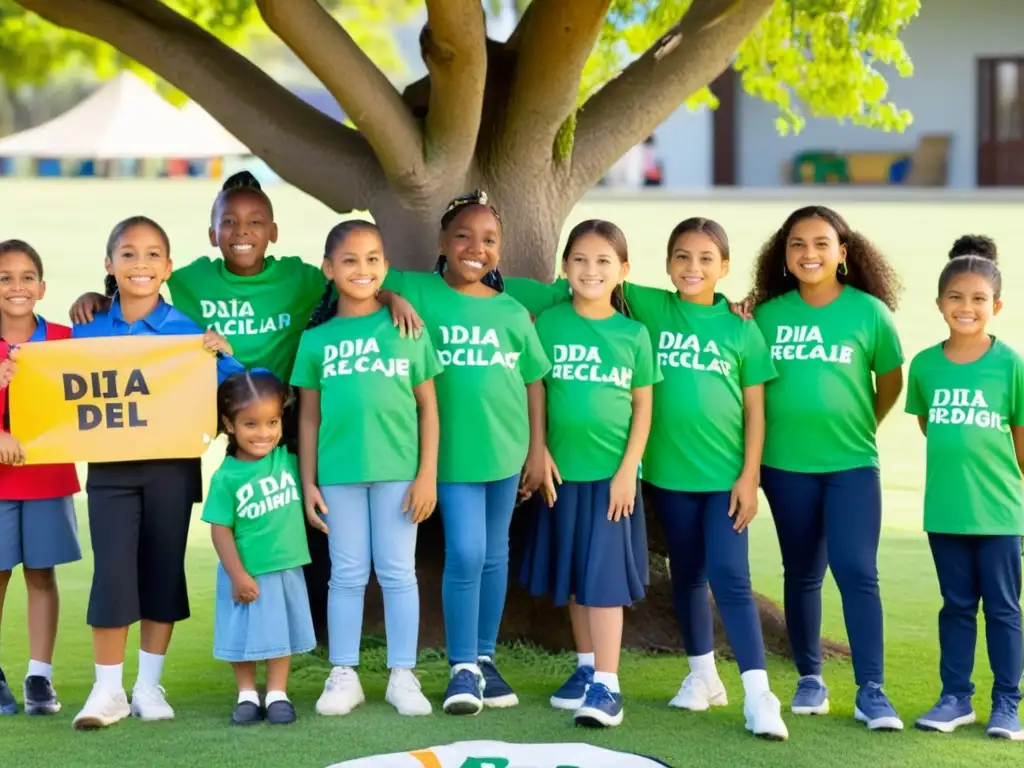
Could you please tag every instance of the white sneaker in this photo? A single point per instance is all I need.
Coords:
(764, 716)
(103, 707)
(698, 695)
(342, 692)
(149, 703)
(404, 694)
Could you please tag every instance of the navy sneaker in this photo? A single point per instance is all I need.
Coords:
(1004, 722)
(8, 706)
(601, 708)
(40, 698)
(947, 715)
(574, 690)
(811, 697)
(497, 693)
(247, 713)
(465, 692)
(872, 708)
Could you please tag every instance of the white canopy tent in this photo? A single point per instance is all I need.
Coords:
(203, 122)
(124, 119)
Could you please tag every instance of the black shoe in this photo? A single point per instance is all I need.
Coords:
(40, 698)
(247, 713)
(8, 706)
(281, 713)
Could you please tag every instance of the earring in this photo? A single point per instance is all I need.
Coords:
(784, 272)
(843, 269)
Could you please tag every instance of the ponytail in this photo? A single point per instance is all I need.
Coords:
(326, 309)
(109, 286)
(619, 301)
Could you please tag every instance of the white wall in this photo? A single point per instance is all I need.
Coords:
(944, 42)
(685, 144)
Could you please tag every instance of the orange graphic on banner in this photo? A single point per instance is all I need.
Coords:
(124, 398)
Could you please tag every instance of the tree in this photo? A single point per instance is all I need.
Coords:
(535, 120)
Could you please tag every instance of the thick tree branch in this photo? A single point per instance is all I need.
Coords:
(362, 90)
(275, 124)
(628, 108)
(556, 40)
(453, 45)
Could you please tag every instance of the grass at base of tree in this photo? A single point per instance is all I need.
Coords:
(202, 692)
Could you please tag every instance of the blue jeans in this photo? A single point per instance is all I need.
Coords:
(366, 524)
(703, 547)
(476, 518)
(830, 520)
(973, 569)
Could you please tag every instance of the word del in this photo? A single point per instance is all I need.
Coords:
(104, 385)
(576, 362)
(804, 342)
(964, 406)
(353, 356)
(682, 350)
(471, 347)
(275, 492)
(236, 318)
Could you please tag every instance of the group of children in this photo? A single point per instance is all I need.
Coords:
(343, 418)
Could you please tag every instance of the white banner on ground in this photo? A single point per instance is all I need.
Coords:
(499, 754)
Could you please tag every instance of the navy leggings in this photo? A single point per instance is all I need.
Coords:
(830, 520)
(702, 548)
(973, 569)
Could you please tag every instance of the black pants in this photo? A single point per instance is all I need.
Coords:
(139, 514)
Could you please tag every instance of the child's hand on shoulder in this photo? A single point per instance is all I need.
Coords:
(623, 495)
(421, 499)
(214, 342)
(244, 589)
(314, 505)
(743, 502)
(8, 368)
(744, 309)
(405, 318)
(86, 306)
(11, 451)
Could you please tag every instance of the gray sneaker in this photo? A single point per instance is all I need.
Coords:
(8, 706)
(40, 698)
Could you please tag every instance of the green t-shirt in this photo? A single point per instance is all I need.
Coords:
(262, 316)
(365, 373)
(490, 352)
(707, 356)
(973, 482)
(596, 366)
(820, 411)
(261, 502)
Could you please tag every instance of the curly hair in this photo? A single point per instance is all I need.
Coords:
(974, 245)
(973, 254)
(867, 269)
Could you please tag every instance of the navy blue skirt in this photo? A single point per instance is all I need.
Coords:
(574, 550)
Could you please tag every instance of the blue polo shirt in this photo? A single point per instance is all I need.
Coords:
(165, 320)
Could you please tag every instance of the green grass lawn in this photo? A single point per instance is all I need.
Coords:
(69, 221)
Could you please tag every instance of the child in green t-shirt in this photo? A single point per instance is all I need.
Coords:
(255, 512)
(368, 434)
(968, 395)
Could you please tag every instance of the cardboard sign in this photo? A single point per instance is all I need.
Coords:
(499, 754)
(123, 398)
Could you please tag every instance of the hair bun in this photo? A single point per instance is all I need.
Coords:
(982, 246)
(241, 180)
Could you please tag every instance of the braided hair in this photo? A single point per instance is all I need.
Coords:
(119, 230)
(328, 306)
(241, 390)
(492, 279)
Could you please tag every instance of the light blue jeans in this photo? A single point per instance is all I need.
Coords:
(476, 518)
(366, 525)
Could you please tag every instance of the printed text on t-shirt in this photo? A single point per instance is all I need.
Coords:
(964, 406)
(804, 342)
(577, 362)
(361, 356)
(237, 318)
(274, 493)
(682, 350)
(473, 346)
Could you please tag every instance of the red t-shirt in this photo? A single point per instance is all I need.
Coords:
(39, 481)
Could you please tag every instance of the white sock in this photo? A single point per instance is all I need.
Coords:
(110, 676)
(40, 669)
(461, 666)
(755, 681)
(609, 679)
(273, 696)
(151, 667)
(704, 666)
(585, 660)
(251, 696)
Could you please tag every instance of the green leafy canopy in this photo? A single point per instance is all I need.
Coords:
(823, 58)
